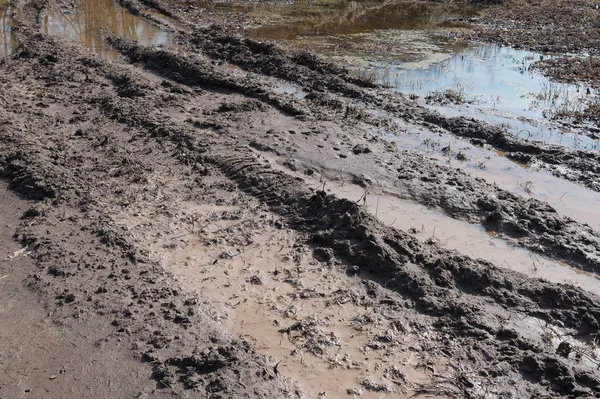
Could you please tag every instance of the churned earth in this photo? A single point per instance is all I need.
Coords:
(223, 217)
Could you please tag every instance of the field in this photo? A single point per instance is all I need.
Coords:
(212, 200)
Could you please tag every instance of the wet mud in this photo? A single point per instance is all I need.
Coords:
(189, 208)
(576, 165)
(554, 27)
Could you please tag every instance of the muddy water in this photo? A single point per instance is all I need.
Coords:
(90, 22)
(435, 228)
(400, 30)
(349, 19)
(568, 198)
(472, 240)
(7, 38)
(263, 287)
(297, 20)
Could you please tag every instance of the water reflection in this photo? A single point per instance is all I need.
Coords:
(495, 79)
(352, 18)
(90, 22)
(568, 198)
(7, 38)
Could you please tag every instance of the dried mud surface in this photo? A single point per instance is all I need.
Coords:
(159, 169)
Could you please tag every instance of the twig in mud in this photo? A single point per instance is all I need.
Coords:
(180, 236)
(3, 277)
(166, 385)
(290, 305)
(377, 206)
(275, 368)
(363, 197)
(527, 186)
(21, 252)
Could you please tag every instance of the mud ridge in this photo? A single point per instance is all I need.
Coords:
(357, 238)
(581, 166)
(196, 73)
(269, 59)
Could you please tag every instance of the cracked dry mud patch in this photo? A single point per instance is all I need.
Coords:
(158, 220)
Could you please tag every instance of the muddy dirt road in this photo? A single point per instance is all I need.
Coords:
(190, 213)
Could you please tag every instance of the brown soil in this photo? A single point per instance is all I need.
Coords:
(169, 244)
(42, 356)
(553, 26)
(572, 69)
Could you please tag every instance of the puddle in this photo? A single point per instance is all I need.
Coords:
(493, 78)
(568, 198)
(400, 31)
(8, 40)
(90, 22)
(496, 84)
(469, 239)
(323, 19)
(291, 21)
(286, 88)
